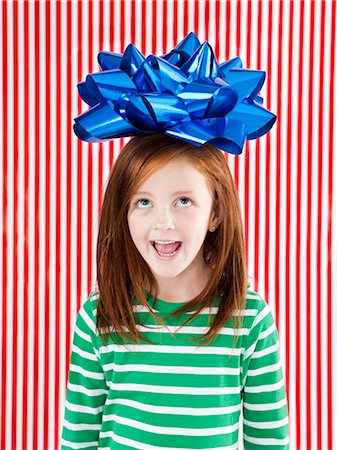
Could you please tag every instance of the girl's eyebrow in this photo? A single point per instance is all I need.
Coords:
(173, 193)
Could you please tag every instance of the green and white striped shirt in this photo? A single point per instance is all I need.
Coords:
(171, 394)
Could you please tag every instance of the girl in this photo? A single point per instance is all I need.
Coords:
(174, 341)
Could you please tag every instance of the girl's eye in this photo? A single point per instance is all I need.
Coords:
(184, 200)
(143, 202)
(140, 201)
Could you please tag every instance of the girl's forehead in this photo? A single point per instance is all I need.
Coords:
(177, 171)
(180, 165)
(175, 178)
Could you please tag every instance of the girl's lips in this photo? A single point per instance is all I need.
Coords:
(164, 257)
(172, 240)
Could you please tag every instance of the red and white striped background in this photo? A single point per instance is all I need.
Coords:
(52, 186)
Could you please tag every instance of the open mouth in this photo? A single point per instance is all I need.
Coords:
(166, 249)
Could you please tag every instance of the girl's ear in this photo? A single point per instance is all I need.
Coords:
(215, 217)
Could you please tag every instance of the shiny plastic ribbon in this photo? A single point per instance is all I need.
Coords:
(185, 94)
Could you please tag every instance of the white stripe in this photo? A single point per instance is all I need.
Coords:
(267, 332)
(81, 426)
(261, 315)
(266, 441)
(75, 445)
(83, 409)
(189, 330)
(83, 390)
(83, 335)
(174, 409)
(190, 350)
(204, 311)
(84, 354)
(264, 388)
(175, 431)
(266, 351)
(265, 406)
(173, 389)
(86, 373)
(185, 370)
(263, 370)
(141, 446)
(87, 319)
(267, 425)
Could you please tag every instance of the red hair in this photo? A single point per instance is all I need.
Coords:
(121, 270)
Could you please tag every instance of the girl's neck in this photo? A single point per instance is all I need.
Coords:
(178, 292)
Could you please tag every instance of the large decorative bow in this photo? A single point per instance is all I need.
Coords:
(185, 94)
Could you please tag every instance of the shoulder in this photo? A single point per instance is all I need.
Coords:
(256, 309)
(87, 313)
(254, 300)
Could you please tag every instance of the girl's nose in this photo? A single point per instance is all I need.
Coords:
(164, 221)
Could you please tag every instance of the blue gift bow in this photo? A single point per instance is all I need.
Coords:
(185, 94)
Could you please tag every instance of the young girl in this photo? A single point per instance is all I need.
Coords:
(170, 244)
(174, 342)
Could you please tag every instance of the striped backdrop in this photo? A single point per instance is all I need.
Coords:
(52, 186)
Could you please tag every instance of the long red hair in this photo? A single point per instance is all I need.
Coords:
(121, 270)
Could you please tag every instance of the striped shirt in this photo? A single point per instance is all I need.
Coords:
(172, 394)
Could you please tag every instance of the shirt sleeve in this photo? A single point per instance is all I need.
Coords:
(265, 408)
(86, 389)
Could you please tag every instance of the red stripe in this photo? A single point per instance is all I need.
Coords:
(207, 20)
(278, 171)
(111, 28)
(298, 397)
(47, 221)
(26, 379)
(238, 27)
(165, 28)
(111, 143)
(100, 145)
(308, 255)
(5, 225)
(133, 22)
(122, 30)
(257, 160)
(248, 33)
(319, 229)
(196, 17)
(15, 226)
(331, 148)
(80, 77)
(90, 177)
(227, 52)
(238, 51)
(154, 28)
(143, 22)
(288, 193)
(217, 29)
(36, 230)
(309, 237)
(185, 13)
(228, 26)
(175, 22)
(68, 206)
(58, 225)
(101, 25)
(268, 147)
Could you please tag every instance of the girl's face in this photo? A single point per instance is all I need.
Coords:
(173, 204)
